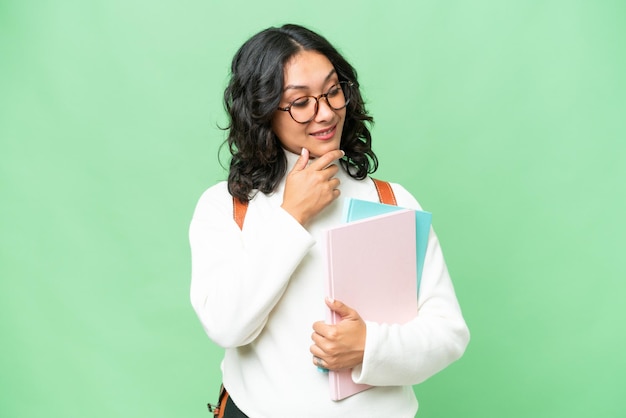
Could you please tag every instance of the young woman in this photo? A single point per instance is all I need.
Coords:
(299, 139)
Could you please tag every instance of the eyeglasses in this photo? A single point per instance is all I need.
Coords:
(304, 109)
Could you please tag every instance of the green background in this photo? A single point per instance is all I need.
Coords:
(505, 118)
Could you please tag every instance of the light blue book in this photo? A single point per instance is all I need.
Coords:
(355, 209)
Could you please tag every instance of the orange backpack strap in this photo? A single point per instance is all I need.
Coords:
(219, 409)
(239, 211)
(385, 195)
(385, 192)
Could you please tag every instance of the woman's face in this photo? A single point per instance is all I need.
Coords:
(309, 73)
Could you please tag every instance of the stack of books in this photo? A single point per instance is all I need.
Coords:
(375, 262)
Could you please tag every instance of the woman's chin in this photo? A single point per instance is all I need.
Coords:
(321, 149)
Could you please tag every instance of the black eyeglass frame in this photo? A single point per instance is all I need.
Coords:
(348, 84)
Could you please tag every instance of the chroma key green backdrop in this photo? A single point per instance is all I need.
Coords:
(505, 118)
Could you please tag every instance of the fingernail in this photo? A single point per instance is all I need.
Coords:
(322, 370)
(330, 300)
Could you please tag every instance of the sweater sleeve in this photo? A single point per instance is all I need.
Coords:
(410, 353)
(238, 276)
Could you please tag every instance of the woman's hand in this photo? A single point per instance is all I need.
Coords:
(339, 346)
(310, 188)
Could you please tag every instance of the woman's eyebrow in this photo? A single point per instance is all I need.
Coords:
(298, 87)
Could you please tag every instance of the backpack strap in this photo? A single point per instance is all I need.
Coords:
(219, 409)
(385, 192)
(385, 195)
(239, 211)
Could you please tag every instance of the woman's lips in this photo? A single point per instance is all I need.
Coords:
(325, 134)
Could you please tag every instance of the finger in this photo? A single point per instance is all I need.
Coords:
(339, 307)
(323, 332)
(318, 339)
(320, 363)
(327, 159)
(303, 160)
(317, 351)
(319, 327)
(329, 172)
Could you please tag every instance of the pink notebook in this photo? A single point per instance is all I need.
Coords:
(372, 268)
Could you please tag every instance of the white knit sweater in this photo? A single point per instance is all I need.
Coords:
(258, 291)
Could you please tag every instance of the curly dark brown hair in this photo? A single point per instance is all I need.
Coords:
(253, 95)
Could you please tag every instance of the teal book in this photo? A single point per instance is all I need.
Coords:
(356, 209)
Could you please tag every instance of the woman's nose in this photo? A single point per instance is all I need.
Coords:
(324, 111)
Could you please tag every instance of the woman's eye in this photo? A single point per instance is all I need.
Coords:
(301, 102)
(334, 90)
